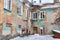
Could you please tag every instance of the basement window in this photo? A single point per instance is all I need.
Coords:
(35, 15)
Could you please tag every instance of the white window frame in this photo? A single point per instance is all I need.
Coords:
(43, 12)
(19, 10)
(32, 16)
(7, 6)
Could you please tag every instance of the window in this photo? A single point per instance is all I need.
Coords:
(26, 11)
(8, 24)
(19, 10)
(19, 26)
(41, 16)
(37, 2)
(34, 16)
(8, 4)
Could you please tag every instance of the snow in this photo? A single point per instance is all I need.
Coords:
(58, 31)
(34, 37)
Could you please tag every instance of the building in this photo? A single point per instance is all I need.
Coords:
(42, 17)
(25, 16)
(13, 17)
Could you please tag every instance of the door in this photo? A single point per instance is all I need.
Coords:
(35, 30)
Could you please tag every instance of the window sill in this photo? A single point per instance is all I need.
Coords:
(41, 19)
(38, 19)
(32, 20)
(19, 15)
(6, 10)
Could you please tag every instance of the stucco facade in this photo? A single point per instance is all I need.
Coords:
(51, 15)
(10, 20)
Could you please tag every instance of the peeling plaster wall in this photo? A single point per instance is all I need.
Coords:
(50, 19)
(12, 17)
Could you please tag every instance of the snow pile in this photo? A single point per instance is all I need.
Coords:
(34, 37)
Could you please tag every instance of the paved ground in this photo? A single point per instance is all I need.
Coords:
(7, 37)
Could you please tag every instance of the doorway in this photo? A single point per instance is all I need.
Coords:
(35, 30)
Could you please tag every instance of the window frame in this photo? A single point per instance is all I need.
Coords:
(19, 11)
(41, 15)
(35, 15)
(8, 4)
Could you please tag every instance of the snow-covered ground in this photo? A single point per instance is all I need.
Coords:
(57, 39)
(34, 37)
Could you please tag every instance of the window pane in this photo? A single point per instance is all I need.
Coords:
(8, 4)
(35, 15)
(19, 10)
(41, 14)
